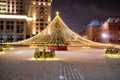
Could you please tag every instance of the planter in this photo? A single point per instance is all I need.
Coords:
(57, 48)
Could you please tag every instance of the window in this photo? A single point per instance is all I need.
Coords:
(8, 22)
(12, 27)
(20, 27)
(41, 20)
(41, 8)
(36, 24)
(20, 2)
(45, 12)
(20, 37)
(8, 26)
(22, 22)
(12, 22)
(41, 17)
(41, 12)
(41, 28)
(36, 32)
(41, 24)
(46, 24)
(18, 22)
(1, 22)
(1, 27)
(119, 28)
(21, 10)
(21, 7)
(36, 19)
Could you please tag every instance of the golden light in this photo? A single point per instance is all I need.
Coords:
(42, 59)
(112, 55)
(86, 47)
(44, 4)
(49, 19)
(29, 19)
(39, 32)
(16, 17)
(34, 17)
(33, 45)
(57, 13)
(3, 6)
(39, 3)
(1, 53)
(49, 4)
(66, 35)
(2, 3)
(8, 48)
(2, 11)
(49, 31)
(34, 3)
(33, 32)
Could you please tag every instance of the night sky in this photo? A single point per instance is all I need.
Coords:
(78, 13)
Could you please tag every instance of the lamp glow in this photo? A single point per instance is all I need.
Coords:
(104, 35)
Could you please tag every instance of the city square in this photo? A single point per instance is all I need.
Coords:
(81, 42)
(75, 64)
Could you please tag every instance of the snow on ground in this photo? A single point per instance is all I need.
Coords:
(90, 63)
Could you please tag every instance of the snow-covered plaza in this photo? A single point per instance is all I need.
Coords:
(75, 64)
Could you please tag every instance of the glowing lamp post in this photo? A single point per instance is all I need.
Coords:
(104, 36)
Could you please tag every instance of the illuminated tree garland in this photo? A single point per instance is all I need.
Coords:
(58, 34)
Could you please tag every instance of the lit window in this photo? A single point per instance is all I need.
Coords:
(34, 3)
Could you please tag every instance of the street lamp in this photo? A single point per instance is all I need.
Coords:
(104, 35)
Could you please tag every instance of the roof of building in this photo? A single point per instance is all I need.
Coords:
(113, 20)
(94, 23)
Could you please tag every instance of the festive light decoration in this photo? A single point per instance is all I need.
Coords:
(112, 55)
(48, 59)
(15, 17)
(112, 52)
(57, 33)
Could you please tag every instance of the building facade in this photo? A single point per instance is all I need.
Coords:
(21, 19)
(88, 31)
(109, 32)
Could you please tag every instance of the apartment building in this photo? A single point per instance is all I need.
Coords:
(21, 19)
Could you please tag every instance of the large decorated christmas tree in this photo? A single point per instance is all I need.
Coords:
(59, 34)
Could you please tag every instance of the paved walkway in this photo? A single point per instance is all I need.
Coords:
(74, 64)
(69, 72)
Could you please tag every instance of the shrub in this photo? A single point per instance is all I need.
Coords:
(8, 46)
(36, 53)
(1, 49)
(112, 50)
(52, 53)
